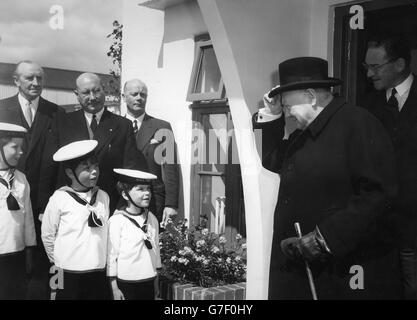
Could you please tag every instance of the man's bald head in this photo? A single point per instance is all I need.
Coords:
(135, 94)
(87, 78)
(28, 77)
(134, 82)
(90, 92)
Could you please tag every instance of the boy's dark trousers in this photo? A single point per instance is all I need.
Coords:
(84, 286)
(143, 290)
(38, 286)
(13, 276)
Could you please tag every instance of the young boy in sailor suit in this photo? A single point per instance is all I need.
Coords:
(17, 229)
(133, 245)
(74, 225)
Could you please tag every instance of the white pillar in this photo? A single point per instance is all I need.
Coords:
(260, 186)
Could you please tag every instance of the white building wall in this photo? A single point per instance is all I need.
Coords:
(163, 58)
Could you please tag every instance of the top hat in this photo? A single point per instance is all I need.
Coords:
(11, 130)
(303, 73)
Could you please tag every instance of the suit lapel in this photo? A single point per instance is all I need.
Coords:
(145, 133)
(105, 130)
(408, 114)
(410, 108)
(15, 112)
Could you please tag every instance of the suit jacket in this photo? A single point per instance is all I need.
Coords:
(338, 174)
(402, 128)
(116, 149)
(34, 145)
(151, 142)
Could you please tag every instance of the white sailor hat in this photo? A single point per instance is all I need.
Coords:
(11, 130)
(75, 150)
(134, 176)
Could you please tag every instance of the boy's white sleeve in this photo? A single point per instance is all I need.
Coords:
(113, 246)
(30, 234)
(157, 249)
(50, 224)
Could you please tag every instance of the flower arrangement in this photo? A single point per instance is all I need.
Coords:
(197, 256)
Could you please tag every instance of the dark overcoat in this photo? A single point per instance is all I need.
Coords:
(402, 128)
(339, 175)
(116, 149)
(34, 146)
(153, 133)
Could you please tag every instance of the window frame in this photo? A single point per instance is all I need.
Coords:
(200, 46)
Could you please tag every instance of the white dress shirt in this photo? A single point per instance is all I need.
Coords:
(264, 115)
(89, 117)
(17, 229)
(69, 242)
(29, 108)
(403, 90)
(128, 257)
(139, 119)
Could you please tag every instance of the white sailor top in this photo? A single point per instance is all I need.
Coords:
(17, 229)
(70, 243)
(128, 257)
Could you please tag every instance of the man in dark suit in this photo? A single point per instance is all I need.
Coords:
(28, 109)
(394, 103)
(155, 139)
(116, 143)
(337, 174)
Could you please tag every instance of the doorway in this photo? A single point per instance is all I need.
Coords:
(385, 16)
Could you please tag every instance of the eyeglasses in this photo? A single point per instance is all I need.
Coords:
(376, 67)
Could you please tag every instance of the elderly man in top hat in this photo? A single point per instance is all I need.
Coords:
(337, 178)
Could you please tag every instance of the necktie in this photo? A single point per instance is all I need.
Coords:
(144, 228)
(393, 102)
(28, 113)
(93, 220)
(93, 124)
(11, 201)
(135, 126)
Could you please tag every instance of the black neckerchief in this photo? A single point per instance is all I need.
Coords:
(144, 228)
(12, 204)
(93, 220)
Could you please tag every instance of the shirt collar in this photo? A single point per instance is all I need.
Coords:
(132, 118)
(89, 116)
(23, 101)
(403, 87)
(321, 120)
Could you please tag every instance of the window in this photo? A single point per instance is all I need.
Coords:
(206, 81)
(216, 200)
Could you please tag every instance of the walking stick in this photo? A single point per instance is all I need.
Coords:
(309, 274)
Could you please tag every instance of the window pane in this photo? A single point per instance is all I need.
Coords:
(208, 79)
(213, 203)
(216, 134)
